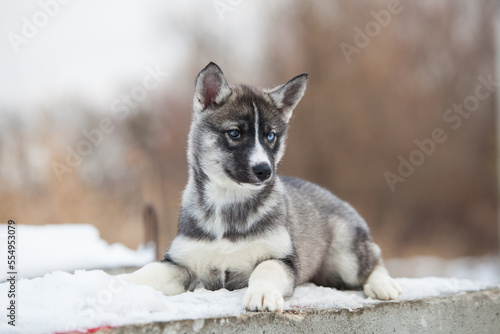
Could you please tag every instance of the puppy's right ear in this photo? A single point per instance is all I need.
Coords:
(211, 89)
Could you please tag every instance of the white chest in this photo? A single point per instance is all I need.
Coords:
(204, 258)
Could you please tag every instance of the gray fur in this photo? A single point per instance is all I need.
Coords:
(307, 211)
(238, 225)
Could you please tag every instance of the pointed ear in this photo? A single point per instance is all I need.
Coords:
(211, 88)
(288, 95)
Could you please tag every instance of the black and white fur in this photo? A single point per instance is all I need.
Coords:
(241, 225)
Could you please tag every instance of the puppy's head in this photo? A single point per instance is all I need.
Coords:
(238, 132)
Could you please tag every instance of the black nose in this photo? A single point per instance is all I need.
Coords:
(262, 171)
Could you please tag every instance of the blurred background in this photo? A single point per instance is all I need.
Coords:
(399, 117)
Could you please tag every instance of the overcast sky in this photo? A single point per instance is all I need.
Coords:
(90, 49)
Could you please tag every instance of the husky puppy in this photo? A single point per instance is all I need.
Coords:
(241, 225)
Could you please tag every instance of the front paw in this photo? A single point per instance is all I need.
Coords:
(383, 288)
(166, 278)
(263, 299)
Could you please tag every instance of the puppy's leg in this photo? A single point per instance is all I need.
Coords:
(354, 261)
(270, 281)
(166, 277)
(380, 285)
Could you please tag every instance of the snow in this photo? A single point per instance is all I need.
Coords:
(61, 302)
(485, 269)
(47, 248)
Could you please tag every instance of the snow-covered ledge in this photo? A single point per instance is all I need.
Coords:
(471, 312)
(90, 301)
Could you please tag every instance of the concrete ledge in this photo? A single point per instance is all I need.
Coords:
(472, 312)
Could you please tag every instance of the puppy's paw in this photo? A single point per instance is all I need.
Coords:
(143, 276)
(168, 279)
(131, 278)
(263, 299)
(383, 288)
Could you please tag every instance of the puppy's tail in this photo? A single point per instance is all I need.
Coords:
(150, 221)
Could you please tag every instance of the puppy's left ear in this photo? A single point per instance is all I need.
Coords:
(287, 96)
(211, 89)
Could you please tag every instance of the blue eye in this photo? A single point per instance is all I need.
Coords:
(234, 134)
(271, 136)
